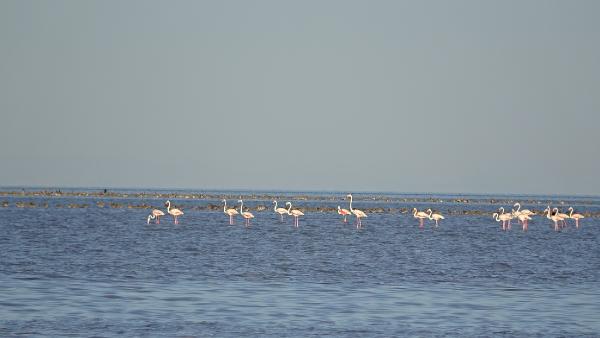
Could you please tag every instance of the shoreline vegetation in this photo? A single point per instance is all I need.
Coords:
(451, 206)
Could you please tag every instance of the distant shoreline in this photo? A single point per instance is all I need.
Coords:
(452, 206)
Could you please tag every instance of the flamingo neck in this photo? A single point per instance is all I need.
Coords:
(242, 206)
(275, 207)
(168, 206)
(519, 208)
(225, 206)
(351, 204)
(289, 208)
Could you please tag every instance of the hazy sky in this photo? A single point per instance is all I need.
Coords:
(407, 96)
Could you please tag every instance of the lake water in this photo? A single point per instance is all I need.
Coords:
(102, 271)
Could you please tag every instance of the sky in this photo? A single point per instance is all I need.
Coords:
(399, 96)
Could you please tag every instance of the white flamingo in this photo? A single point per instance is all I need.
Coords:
(173, 212)
(523, 218)
(508, 216)
(524, 211)
(296, 213)
(247, 215)
(576, 217)
(420, 215)
(434, 217)
(358, 213)
(280, 211)
(343, 212)
(563, 217)
(502, 217)
(230, 212)
(155, 215)
(553, 218)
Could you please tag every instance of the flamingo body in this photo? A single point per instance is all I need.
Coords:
(173, 212)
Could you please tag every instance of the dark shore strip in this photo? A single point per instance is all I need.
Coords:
(448, 210)
(298, 197)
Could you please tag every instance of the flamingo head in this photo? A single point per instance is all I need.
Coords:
(148, 220)
(240, 201)
(168, 202)
(223, 200)
(288, 203)
(339, 208)
(349, 196)
(274, 202)
(494, 215)
(570, 209)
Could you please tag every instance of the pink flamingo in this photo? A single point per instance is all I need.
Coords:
(358, 213)
(435, 217)
(280, 211)
(173, 212)
(554, 218)
(576, 217)
(508, 217)
(563, 217)
(420, 215)
(231, 212)
(523, 218)
(343, 212)
(155, 215)
(296, 213)
(504, 218)
(247, 215)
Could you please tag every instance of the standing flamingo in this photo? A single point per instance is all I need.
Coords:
(296, 213)
(173, 212)
(435, 217)
(576, 217)
(524, 211)
(280, 211)
(523, 218)
(247, 215)
(231, 212)
(554, 218)
(420, 215)
(343, 212)
(358, 213)
(562, 216)
(155, 215)
(504, 218)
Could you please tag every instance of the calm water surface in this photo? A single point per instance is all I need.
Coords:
(104, 272)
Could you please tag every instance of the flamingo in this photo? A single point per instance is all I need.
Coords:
(231, 212)
(576, 217)
(247, 215)
(509, 217)
(296, 213)
(554, 218)
(435, 217)
(524, 211)
(280, 211)
(358, 213)
(502, 217)
(523, 218)
(563, 217)
(343, 212)
(155, 215)
(420, 215)
(173, 212)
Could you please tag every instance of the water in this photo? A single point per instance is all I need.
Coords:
(104, 272)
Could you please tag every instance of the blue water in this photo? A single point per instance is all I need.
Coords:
(104, 272)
